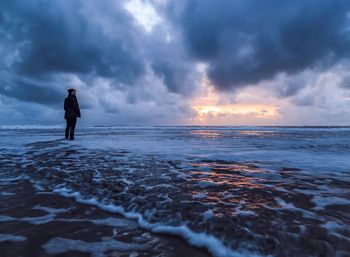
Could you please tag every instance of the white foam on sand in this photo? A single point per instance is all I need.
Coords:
(321, 202)
(291, 207)
(208, 215)
(39, 220)
(332, 225)
(6, 193)
(4, 218)
(114, 222)
(49, 209)
(13, 179)
(246, 213)
(203, 240)
(284, 204)
(200, 196)
(51, 216)
(12, 238)
(337, 229)
(96, 249)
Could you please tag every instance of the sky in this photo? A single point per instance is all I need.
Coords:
(162, 62)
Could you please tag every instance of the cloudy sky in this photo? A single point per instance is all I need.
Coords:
(190, 62)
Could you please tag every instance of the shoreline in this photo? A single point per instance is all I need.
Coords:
(167, 189)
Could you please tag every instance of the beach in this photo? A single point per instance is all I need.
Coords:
(175, 191)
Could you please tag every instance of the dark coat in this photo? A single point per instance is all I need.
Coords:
(71, 107)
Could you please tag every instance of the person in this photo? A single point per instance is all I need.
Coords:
(72, 112)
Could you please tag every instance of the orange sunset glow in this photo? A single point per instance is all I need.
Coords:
(213, 108)
(260, 111)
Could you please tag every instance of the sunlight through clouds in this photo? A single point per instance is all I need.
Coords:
(144, 13)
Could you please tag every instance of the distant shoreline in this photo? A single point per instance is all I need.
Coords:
(23, 127)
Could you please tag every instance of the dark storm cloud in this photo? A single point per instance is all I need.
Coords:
(290, 87)
(345, 82)
(304, 100)
(31, 92)
(246, 41)
(177, 74)
(170, 61)
(59, 36)
(165, 69)
(44, 38)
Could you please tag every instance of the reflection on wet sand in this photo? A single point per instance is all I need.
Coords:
(206, 133)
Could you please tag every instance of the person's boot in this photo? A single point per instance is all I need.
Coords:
(66, 133)
(71, 134)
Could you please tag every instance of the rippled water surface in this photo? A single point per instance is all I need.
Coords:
(233, 190)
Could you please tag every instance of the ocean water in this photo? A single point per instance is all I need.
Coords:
(236, 191)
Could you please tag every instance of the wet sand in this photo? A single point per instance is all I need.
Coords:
(231, 208)
(41, 223)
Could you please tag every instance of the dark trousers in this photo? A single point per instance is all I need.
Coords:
(69, 132)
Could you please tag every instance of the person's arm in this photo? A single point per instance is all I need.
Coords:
(65, 104)
(77, 109)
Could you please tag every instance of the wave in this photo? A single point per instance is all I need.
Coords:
(25, 127)
(203, 240)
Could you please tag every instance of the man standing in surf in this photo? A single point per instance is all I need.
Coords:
(72, 112)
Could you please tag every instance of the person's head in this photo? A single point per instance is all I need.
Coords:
(71, 91)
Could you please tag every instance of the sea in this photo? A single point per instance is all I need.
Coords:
(233, 191)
